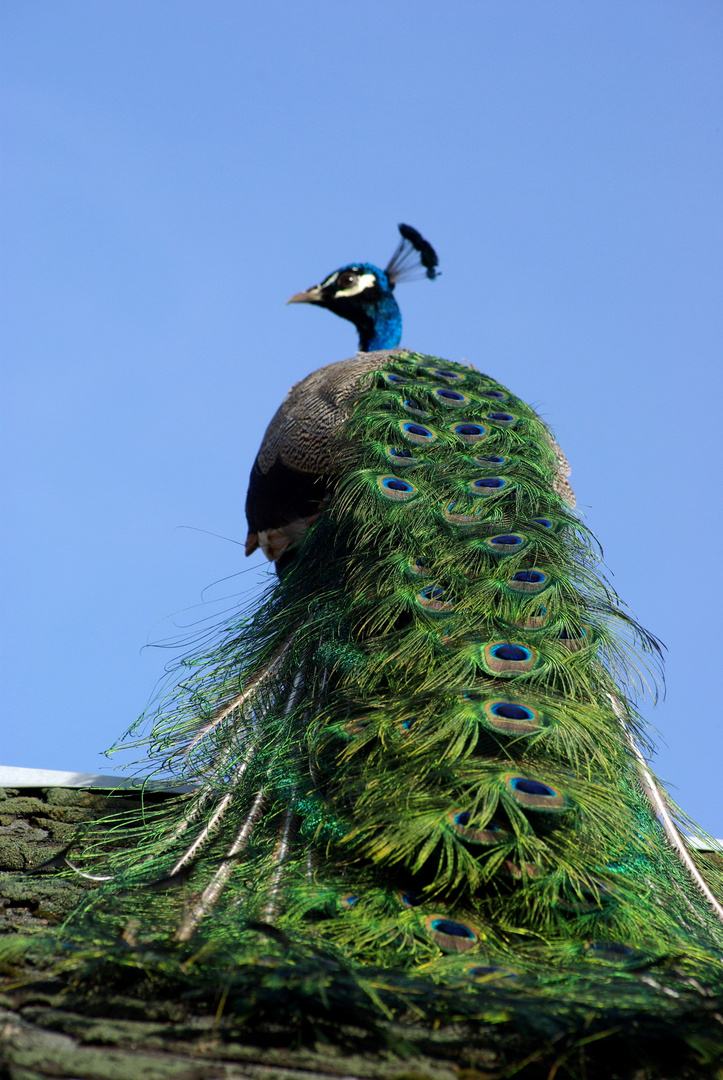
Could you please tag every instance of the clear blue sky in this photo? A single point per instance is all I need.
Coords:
(175, 169)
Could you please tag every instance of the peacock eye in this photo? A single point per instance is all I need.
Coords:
(346, 280)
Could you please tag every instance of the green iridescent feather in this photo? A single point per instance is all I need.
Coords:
(417, 788)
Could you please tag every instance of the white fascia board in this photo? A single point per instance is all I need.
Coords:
(14, 777)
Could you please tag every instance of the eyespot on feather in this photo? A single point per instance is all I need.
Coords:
(413, 406)
(401, 458)
(451, 399)
(450, 935)
(512, 717)
(614, 952)
(460, 518)
(431, 598)
(489, 459)
(417, 433)
(486, 485)
(448, 376)
(418, 359)
(529, 581)
(392, 379)
(410, 899)
(417, 568)
(509, 658)
(576, 639)
(355, 727)
(521, 871)
(469, 432)
(396, 490)
(533, 794)
(491, 833)
(502, 419)
(505, 543)
(533, 622)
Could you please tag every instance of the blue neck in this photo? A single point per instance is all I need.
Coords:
(379, 324)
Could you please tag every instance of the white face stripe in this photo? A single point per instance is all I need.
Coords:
(365, 281)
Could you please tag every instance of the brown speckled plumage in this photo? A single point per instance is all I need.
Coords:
(302, 428)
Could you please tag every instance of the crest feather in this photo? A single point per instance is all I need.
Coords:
(412, 254)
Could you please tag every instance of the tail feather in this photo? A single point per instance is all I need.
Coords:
(419, 761)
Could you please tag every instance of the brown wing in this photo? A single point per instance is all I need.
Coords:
(561, 483)
(289, 483)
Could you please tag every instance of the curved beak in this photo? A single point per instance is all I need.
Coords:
(310, 296)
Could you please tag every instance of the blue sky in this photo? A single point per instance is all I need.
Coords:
(175, 169)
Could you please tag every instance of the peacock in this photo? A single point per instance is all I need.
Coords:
(419, 789)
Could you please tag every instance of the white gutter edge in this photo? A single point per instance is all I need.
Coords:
(14, 777)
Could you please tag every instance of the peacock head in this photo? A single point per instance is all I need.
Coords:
(363, 294)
